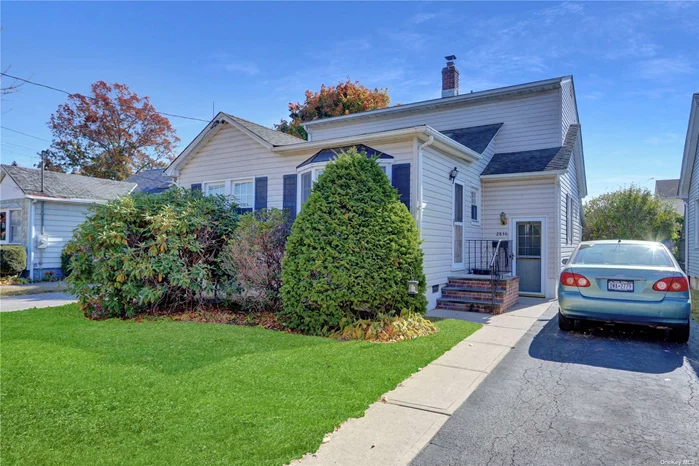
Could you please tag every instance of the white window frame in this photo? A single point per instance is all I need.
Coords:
(242, 181)
(477, 191)
(9, 238)
(206, 184)
(455, 224)
(569, 219)
(696, 223)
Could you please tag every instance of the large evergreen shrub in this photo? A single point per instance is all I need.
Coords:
(352, 250)
(13, 259)
(150, 252)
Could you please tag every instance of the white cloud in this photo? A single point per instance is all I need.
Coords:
(246, 68)
(664, 68)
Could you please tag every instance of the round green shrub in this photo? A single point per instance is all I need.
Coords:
(147, 253)
(352, 250)
(13, 259)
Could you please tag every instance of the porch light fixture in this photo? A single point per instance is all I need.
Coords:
(412, 287)
(453, 174)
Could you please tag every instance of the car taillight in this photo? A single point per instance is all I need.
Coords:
(574, 279)
(671, 284)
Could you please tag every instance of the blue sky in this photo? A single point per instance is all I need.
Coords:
(635, 65)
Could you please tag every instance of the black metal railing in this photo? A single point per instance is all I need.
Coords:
(482, 254)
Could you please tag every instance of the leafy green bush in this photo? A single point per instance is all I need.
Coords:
(13, 259)
(406, 326)
(255, 256)
(146, 253)
(352, 250)
(65, 262)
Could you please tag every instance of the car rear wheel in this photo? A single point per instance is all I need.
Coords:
(564, 323)
(680, 334)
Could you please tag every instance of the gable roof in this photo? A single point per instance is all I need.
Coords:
(65, 186)
(152, 181)
(474, 137)
(666, 188)
(552, 159)
(272, 136)
(508, 91)
(690, 148)
(325, 155)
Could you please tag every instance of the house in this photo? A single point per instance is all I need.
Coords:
(153, 181)
(41, 212)
(667, 191)
(489, 176)
(689, 191)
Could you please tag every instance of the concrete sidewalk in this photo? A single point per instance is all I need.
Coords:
(395, 429)
(22, 303)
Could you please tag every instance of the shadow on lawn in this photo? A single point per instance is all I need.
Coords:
(162, 346)
(621, 347)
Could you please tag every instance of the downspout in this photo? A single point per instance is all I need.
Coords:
(41, 252)
(420, 198)
(31, 239)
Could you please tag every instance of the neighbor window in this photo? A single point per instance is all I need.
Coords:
(696, 223)
(10, 223)
(569, 219)
(244, 194)
(213, 189)
(474, 206)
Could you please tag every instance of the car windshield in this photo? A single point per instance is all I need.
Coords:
(652, 255)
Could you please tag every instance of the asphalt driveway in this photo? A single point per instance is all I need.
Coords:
(600, 395)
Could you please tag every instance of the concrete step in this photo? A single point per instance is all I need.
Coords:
(469, 305)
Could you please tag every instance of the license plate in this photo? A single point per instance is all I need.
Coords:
(620, 285)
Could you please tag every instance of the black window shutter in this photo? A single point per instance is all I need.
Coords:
(196, 187)
(260, 192)
(289, 200)
(401, 181)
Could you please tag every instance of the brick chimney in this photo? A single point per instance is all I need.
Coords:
(450, 78)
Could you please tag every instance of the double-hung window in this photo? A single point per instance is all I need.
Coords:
(244, 194)
(215, 189)
(10, 224)
(474, 206)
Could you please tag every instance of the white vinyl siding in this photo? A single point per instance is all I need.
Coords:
(60, 219)
(233, 155)
(530, 122)
(569, 114)
(529, 198)
(692, 220)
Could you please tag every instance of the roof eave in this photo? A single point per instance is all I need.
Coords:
(539, 174)
(536, 86)
(446, 144)
(690, 149)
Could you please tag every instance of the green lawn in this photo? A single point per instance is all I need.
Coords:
(76, 391)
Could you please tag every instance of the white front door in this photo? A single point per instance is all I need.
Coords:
(458, 225)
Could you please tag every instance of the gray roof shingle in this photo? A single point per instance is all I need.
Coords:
(151, 181)
(667, 188)
(274, 137)
(538, 160)
(65, 186)
(475, 138)
(326, 155)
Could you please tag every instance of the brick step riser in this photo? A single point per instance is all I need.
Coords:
(484, 295)
(476, 283)
(470, 307)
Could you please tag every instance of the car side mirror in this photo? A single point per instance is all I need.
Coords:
(564, 261)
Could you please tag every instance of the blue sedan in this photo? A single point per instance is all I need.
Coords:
(634, 282)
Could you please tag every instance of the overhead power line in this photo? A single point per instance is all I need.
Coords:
(12, 145)
(24, 134)
(71, 93)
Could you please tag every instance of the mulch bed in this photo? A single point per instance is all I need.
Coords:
(219, 315)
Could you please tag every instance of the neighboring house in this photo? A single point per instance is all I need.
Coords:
(41, 215)
(689, 191)
(153, 181)
(667, 190)
(504, 164)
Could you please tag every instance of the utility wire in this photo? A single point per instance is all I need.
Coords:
(24, 134)
(69, 93)
(17, 146)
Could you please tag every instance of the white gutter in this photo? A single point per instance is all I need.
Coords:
(444, 143)
(505, 176)
(66, 201)
(420, 200)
